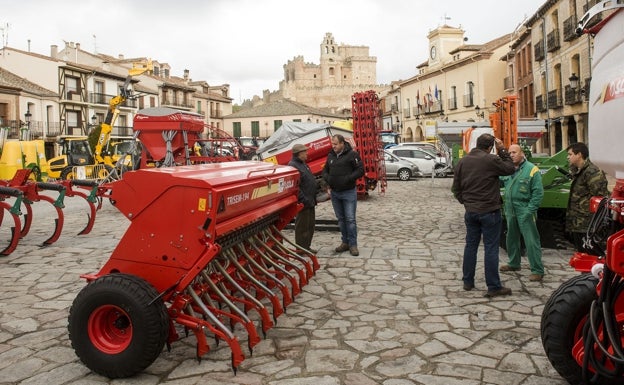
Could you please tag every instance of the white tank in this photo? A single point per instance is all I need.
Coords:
(606, 98)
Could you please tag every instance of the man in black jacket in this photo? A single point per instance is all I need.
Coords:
(304, 222)
(476, 185)
(342, 169)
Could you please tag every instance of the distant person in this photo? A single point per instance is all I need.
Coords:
(305, 220)
(524, 192)
(476, 185)
(341, 171)
(587, 181)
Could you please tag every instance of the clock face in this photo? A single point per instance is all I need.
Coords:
(433, 52)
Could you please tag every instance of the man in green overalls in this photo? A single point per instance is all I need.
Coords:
(523, 195)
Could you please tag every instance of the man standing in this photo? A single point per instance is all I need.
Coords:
(588, 181)
(342, 169)
(304, 222)
(523, 196)
(476, 185)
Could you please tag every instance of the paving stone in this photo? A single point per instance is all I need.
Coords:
(395, 315)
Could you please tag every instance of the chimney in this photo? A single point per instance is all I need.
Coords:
(77, 45)
(120, 56)
(186, 74)
(53, 51)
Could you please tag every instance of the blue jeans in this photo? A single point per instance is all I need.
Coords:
(487, 225)
(344, 203)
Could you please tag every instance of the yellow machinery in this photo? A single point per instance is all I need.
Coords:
(76, 161)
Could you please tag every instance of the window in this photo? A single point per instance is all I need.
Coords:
(276, 124)
(236, 129)
(255, 128)
(72, 85)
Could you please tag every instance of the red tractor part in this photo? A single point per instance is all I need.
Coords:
(26, 192)
(203, 249)
(167, 134)
(367, 138)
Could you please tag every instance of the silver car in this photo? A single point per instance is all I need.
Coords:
(400, 168)
(425, 161)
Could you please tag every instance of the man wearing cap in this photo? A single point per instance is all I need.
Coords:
(304, 222)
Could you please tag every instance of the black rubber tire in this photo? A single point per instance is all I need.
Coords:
(563, 317)
(67, 173)
(142, 323)
(404, 174)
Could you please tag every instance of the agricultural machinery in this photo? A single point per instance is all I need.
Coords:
(582, 322)
(363, 133)
(203, 253)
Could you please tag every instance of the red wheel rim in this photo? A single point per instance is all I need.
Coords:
(110, 329)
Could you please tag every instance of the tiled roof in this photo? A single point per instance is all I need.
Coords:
(281, 107)
(9, 79)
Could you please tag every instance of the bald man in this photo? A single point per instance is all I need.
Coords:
(524, 192)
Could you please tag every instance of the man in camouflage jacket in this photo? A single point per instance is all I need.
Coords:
(588, 181)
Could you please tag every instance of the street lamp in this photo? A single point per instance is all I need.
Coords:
(26, 128)
(574, 81)
(479, 113)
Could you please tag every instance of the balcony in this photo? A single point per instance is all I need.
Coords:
(394, 107)
(469, 100)
(122, 131)
(216, 114)
(554, 99)
(553, 41)
(540, 103)
(538, 51)
(452, 103)
(572, 96)
(508, 83)
(407, 112)
(104, 99)
(569, 29)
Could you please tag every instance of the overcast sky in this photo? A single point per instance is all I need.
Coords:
(245, 43)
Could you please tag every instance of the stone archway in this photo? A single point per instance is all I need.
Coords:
(407, 135)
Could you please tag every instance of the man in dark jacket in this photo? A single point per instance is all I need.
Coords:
(588, 181)
(304, 222)
(342, 169)
(476, 185)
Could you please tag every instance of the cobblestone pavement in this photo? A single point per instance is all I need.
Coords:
(395, 315)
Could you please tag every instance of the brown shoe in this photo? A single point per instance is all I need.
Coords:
(498, 292)
(535, 277)
(509, 268)
(354, 251)
(342, 247)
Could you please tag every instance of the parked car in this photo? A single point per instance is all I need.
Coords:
(431, 147)
(400, 168)
(425, 161)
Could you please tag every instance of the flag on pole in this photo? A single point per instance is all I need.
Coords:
(436, 92)
(418, 97)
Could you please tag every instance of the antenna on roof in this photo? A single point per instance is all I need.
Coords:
(94, 44)
(445, 18)
(5, 34)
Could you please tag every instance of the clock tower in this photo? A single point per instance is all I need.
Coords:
(443, 40)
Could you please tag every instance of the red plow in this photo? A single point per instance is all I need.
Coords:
(20, 193)
(203, 250)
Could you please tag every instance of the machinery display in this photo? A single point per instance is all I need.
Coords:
(582, 322)
(363, 133)
(203, 253)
